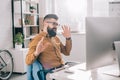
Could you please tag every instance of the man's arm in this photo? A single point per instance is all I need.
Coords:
(67, 48)
(31, 56)
(66, 33)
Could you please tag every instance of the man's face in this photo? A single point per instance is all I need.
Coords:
(52, 23)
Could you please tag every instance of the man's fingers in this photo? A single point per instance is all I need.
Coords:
(68, 28)
(41, 40)
(63, 27)
(46, 25)
(44, 46)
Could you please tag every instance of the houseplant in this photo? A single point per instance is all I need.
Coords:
(18, 39)
(32, 8)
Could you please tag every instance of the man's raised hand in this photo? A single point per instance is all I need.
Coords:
(66, 31)
(40, 47)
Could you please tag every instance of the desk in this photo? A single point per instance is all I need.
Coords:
(76, 75)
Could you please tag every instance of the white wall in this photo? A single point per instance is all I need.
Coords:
(6, 22)
(98, 8)
(46, 7)
(5, 25)
(72, 13)
(42, 7)
(89, 7)
(78, 52)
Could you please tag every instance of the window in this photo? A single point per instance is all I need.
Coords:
(72, 13)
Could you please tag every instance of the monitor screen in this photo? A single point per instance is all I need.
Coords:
(101, 32)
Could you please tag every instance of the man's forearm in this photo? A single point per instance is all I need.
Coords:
(68, 45)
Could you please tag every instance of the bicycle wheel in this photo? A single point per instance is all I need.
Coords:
(6, 63)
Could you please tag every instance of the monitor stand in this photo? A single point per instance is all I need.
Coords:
(83, 66)
(114, 70)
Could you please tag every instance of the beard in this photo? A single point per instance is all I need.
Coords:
(51, 32)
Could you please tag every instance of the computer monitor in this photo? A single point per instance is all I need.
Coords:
(101, 32)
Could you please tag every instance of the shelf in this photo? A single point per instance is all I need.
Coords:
(25, 26)
(25, 21)
(25, 13)
(30, 37)
(32, 2)
(23, 49)
(31, 25)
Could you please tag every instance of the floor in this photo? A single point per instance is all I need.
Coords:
(97, 74)
(16, 76)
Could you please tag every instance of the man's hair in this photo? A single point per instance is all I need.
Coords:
(48, 16)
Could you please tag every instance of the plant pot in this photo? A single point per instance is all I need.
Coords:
(18, 46)
(32, 11)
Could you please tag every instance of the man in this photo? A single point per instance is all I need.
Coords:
(46, 48)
